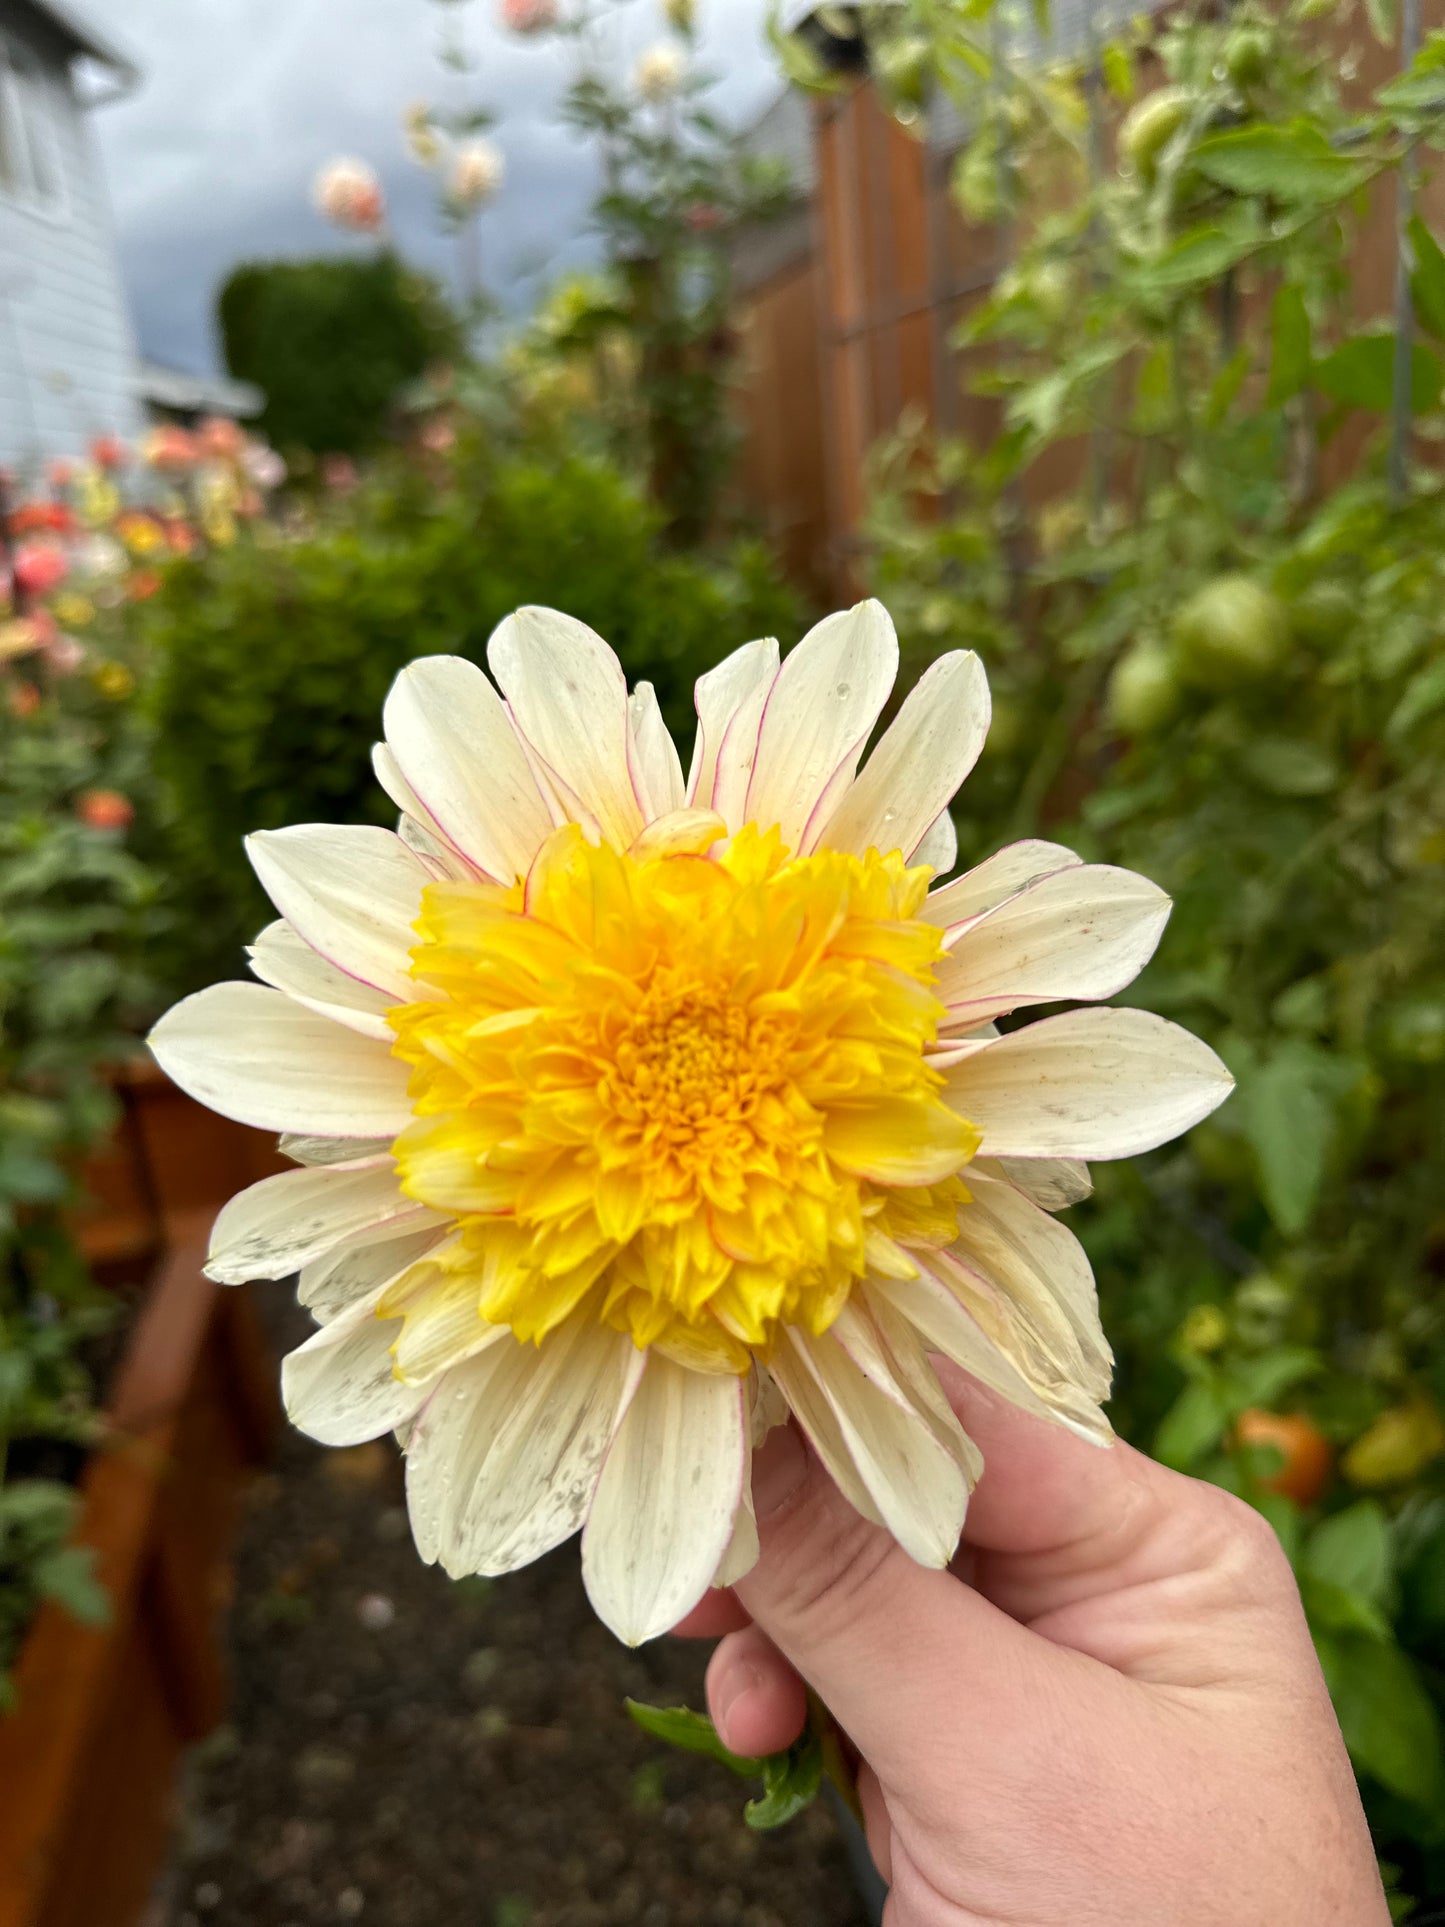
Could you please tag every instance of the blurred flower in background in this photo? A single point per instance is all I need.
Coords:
(423, 142)
(169, 449)
(349, 194)
(659, 73)
(681, 15)
(477, 173)
(529, 16)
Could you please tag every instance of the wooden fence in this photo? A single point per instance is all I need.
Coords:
(849, 321)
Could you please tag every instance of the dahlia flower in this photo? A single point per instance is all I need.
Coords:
(477, 172)
(348, 193)
(633, 1111)
(529, 16)
(659, 73)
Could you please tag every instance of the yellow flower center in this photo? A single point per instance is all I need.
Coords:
(685, 1088)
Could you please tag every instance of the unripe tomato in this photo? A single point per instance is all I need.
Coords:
(1148, 128)
(1229, 634)
(1307, 1459)
(1324, 615)
(1246, 55)
(1144, 691)
(1400, 1443)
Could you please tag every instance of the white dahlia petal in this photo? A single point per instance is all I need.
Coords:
(1054, 1183)
(890, 1354)
(819, 714)
(1089, 1084)
(275, 1227)
(668, 1499)
(920, 761)
(443, 1325)
(1081, 934)
(283, 959)
(569, 697)
(737, 756)
(363, 1266)
(744, 1548)
(417, 827)
(340, 1388)
(353, 892)
(547, 1428)
(330, 1150)
(1002, 875)
(1039, 1267)
(939, 848)
(457, 752)
(718, 696)
(916, 1486)
(652, 756)
(255, 1056)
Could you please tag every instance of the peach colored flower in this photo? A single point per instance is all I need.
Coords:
(105, 810)
(349, 193)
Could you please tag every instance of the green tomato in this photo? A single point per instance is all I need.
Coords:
(1246, 55)
(1148, 128)
(1144, 693)
(1231, 633)
(1325, 614)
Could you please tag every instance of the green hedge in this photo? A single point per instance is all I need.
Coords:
(332, 343)
(271, 660)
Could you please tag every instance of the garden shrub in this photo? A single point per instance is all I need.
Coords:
(331, 344)
(272, 659)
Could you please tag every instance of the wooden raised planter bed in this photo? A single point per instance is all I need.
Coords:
(88, 1760)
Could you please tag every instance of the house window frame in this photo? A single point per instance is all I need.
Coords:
(29, 111)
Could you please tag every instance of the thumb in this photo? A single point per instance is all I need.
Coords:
(904, 1657)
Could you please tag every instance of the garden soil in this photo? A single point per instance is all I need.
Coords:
(408, 1752)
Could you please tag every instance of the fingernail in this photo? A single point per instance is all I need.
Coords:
(778, 1470)
(741, 1679)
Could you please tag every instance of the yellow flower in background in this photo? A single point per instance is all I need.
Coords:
(97, 498)
(114, 681)
(633, 1111)
(73, 611)
(141, 534)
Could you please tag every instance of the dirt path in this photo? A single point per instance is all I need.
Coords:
(406, 1752)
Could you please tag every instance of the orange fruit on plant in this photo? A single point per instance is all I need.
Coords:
(1308, 1460)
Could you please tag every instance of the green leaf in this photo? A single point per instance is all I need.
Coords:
(1384, 20)
(1424, 697)
(1118, 71)
(1291, 163)
(1262, 1380)
(693, 1733)
(67, 1575)
(1361, 373)
(1290, 367)
(1193, 1425)
(1387, 1717)
(1427, 278)
(1352, 1550)
(1290, 1115)
(1331, 1609)
(1200, 255)
(1285, 766)
(790, 1783)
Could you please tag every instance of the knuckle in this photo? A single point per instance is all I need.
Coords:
(828, 1572)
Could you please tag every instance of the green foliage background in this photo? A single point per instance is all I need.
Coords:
(331, 343)
(270, 661)
(1214, 664)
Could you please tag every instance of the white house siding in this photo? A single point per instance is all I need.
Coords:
(67, 355)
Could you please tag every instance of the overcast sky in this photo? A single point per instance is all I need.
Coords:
(211, 161)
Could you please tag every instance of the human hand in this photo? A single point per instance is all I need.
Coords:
(1108, 1713)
